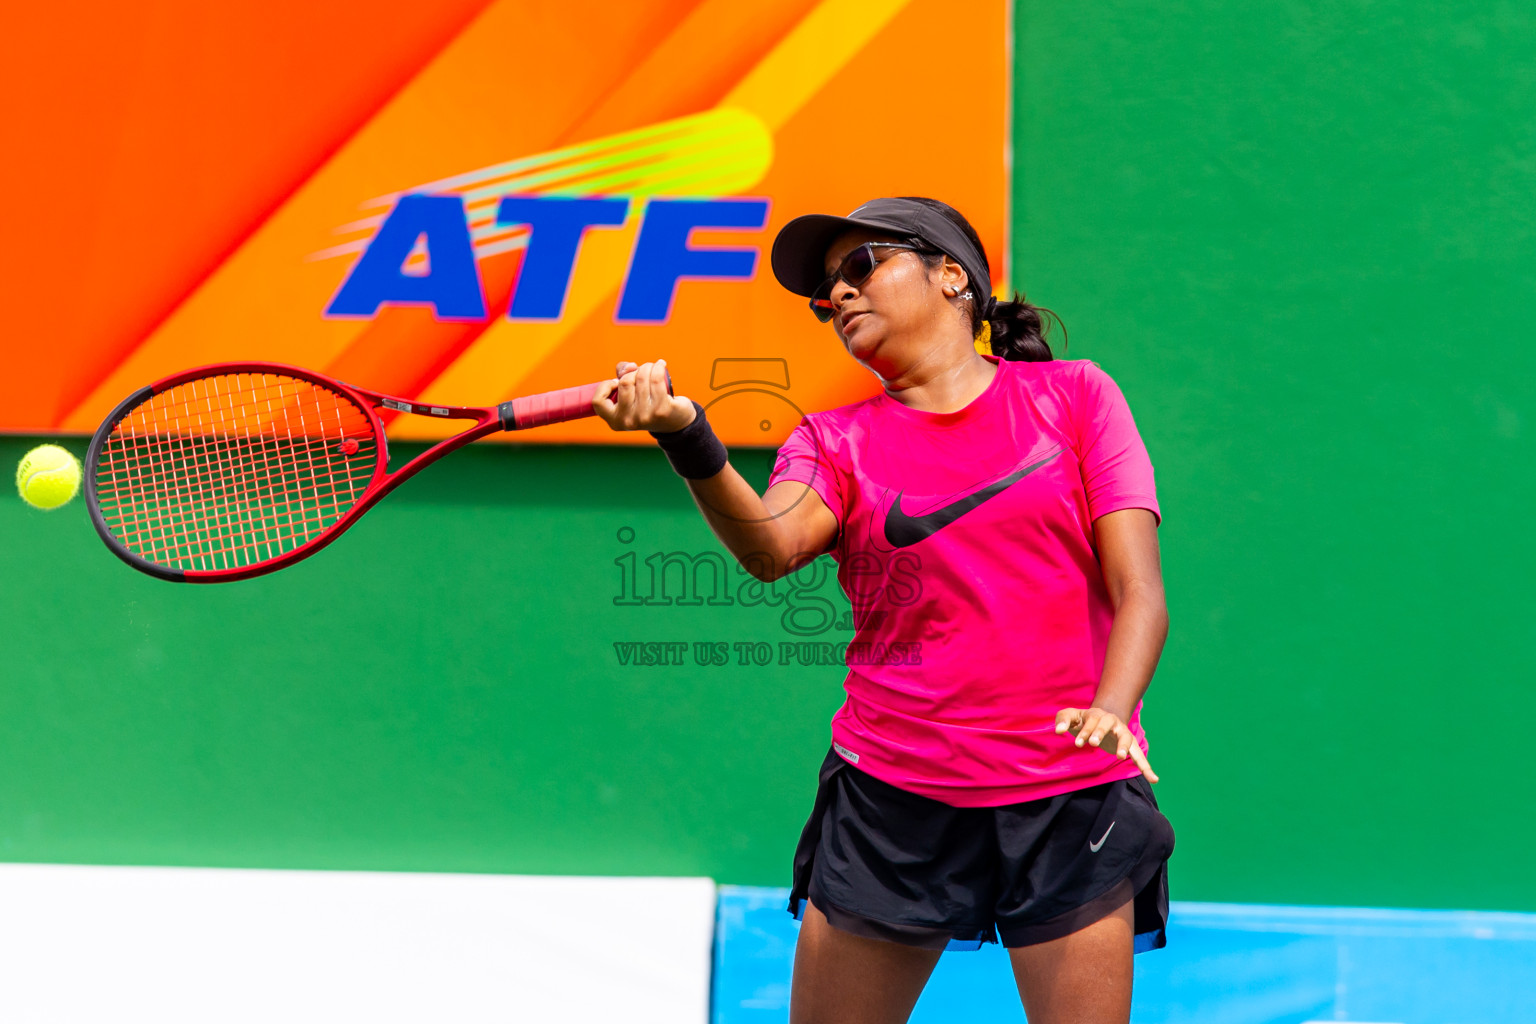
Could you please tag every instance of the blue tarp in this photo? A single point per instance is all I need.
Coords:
(1224, 964)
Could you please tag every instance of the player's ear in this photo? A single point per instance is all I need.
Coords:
(952, 277)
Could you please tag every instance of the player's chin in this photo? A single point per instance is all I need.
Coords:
(861, 342)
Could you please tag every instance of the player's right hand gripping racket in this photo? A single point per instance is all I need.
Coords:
(230, 471)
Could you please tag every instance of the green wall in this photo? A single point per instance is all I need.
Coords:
(439, 690)
(1298, 234)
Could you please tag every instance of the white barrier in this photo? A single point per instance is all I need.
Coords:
(169, 945)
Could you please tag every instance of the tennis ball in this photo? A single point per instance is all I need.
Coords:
(48, 476)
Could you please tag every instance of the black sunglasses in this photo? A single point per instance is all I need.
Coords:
(855, 269)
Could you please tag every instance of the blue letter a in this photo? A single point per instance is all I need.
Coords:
(451, 286)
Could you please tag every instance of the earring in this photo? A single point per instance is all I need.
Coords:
(967, 294)
(949, 292)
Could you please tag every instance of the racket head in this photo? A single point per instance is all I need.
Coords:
(233, 470)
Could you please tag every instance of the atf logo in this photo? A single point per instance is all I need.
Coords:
(425, 250)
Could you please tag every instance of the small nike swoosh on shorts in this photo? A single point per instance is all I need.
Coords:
(1095, 846)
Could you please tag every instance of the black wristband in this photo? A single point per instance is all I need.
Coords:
(695, 452)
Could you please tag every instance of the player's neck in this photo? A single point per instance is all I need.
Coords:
(946, 381)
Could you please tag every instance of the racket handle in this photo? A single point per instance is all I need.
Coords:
(548, 407)
(553, 406)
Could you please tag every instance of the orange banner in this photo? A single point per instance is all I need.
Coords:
(543, 197)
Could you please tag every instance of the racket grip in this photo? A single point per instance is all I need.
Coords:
(552, 406)
(548, 407)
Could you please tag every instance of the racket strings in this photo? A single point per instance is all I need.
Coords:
(229, 471)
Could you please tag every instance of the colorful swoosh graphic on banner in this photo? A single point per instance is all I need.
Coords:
(712, 154)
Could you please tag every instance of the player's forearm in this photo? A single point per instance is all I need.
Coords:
(1135, 643)
(746, 526)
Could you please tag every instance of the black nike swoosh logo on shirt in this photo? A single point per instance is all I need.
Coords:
(902, 530)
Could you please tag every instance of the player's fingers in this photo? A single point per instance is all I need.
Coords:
(605, 409)
(661, 398)
(646, 388)
(645, 393)
(1124, 742)
(1105, 726)
(627, 386)
(1066, 719)
(659, 392)
(666, 405)
(1142, 763)
(623, 367)
(1090, 720)
(616, 408)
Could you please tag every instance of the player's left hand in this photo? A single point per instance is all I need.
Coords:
(1092, 726)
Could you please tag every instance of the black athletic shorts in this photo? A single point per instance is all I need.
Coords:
(881, 862)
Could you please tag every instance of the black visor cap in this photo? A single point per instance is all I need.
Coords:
(799, 251)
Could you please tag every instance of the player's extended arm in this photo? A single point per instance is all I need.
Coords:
(769, 534)
(1128, 557)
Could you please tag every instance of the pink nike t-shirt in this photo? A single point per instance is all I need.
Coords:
(966, 548)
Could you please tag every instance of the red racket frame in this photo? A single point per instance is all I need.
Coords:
(517, 414)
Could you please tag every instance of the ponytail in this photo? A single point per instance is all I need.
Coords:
(1015, 330)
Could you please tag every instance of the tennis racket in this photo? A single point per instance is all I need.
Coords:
(235, 470)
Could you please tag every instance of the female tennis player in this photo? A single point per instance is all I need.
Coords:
(994, 521)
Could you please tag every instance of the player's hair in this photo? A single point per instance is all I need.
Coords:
(1018, 328)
